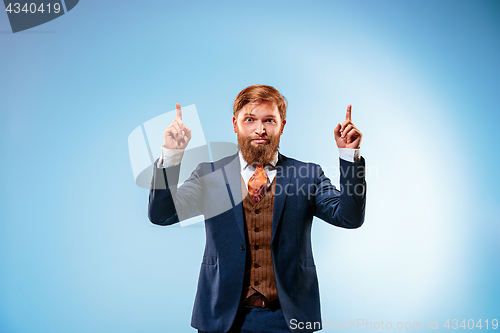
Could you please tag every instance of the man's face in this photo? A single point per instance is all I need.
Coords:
(259, 128)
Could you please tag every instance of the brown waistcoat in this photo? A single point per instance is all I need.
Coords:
(259, 271)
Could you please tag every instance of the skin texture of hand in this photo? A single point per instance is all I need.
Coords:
(177, 135)
(347, 135)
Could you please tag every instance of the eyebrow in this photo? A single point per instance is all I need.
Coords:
(250, 114)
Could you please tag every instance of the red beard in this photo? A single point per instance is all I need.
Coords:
(261, 153)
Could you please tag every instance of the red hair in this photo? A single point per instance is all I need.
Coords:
(258, 93)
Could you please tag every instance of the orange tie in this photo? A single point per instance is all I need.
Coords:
(258, 183)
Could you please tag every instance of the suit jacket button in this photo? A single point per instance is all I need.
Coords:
(242, 247)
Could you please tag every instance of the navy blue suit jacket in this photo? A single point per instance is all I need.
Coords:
(302, 192)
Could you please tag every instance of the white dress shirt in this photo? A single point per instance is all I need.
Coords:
(247, 170)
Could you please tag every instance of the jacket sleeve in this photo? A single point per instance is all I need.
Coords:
(345, 207)
(169, 204)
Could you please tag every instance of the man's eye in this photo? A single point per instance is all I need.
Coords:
(270, 120)
(248, 119)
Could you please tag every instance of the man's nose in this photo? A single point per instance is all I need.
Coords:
(260, 128)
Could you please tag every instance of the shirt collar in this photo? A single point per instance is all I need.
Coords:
(244, 163)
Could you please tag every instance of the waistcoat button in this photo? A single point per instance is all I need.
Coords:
(242, 247)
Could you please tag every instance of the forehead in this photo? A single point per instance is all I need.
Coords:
(263, 108)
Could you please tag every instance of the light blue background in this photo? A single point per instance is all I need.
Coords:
(77, 251)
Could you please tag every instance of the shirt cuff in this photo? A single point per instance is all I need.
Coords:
(170, 157)
(349, 154)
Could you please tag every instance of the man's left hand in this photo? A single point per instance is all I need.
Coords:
(347, 135)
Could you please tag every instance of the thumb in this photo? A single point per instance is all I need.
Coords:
(336, 131)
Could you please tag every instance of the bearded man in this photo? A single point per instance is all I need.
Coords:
(258, 273)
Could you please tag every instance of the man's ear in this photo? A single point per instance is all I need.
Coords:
(235, 125)
(282, 126)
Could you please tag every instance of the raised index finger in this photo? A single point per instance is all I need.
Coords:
(348, 113)
(178, 112)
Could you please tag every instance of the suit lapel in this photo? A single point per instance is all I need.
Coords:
(232, 172)
(282, 180)
(233, 182)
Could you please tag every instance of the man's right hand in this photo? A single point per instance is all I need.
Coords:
(177, 135)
